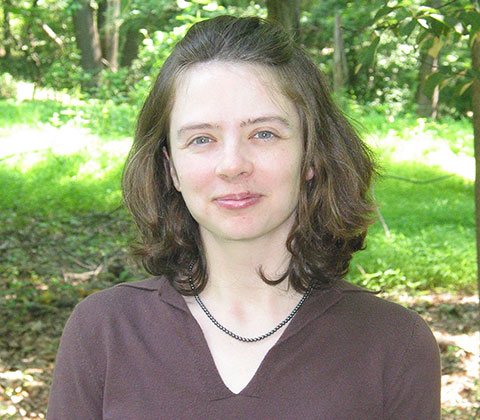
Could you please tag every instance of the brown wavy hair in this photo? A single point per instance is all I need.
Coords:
(335, 206)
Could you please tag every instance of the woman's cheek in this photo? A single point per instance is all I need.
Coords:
(196, 178)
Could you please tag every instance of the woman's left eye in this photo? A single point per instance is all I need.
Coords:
(201, 140)
(264, 135)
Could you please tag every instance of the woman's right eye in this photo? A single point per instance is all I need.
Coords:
(201, 140)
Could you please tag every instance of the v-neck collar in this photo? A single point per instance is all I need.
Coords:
(319, 302)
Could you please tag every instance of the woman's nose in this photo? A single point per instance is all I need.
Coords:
(235, 161)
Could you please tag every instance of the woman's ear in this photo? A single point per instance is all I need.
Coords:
(310, 173)
(173, 172)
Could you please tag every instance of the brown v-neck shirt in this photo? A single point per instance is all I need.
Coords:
(135, 352)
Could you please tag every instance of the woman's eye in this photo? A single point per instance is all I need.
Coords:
(264, 135)
(201, 140)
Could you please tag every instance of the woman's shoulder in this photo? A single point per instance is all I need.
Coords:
(119, 300)
(368, 303)
(382, 319)
(398, 341)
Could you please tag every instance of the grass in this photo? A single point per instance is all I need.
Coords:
(61, 185)
(63, 161)
(425, 194)
(102, 118)
(430, 240)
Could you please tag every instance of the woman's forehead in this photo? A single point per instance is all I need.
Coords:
(229, 69)
(229, 88)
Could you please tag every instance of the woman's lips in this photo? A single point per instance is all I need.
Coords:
(237, 201)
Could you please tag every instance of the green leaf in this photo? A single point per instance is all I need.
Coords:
(14, 9)
(465, 87)
(438, 27)
(428, 10)
(451, 21)
(471, 18)
(436, 47)
(402, 13)
(422, 22)
(368, 55)
(383, 12)
(423, 36)
(407, 29)
(432, 82)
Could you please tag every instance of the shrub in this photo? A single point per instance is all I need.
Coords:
(8, 87)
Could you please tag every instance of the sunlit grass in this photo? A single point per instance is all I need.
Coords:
(99, 117)
(430, 238)
(60, 184)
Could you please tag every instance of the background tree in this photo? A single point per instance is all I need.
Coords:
(108, 20)
(475, 48)
(286, 13)
(7, 33)
(427, 105)
(87, 37)
(340, 71)
(446, 24)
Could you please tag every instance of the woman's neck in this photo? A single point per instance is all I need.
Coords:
(233, 269)
(235, 293)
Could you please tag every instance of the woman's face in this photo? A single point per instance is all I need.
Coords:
(236, 151)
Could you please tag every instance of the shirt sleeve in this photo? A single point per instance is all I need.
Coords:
(414, 392)
(77, 390)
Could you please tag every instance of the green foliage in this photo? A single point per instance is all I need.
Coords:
(382, 69)
(390, 128)
(450, 29)
(33, 51)
(8, 88)
(383, 42)
(104, 118)
(72, 184)
(60, 204)
(30, 113)
(40, 58)
(65, 74)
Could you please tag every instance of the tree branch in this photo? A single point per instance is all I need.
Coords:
(418, 181)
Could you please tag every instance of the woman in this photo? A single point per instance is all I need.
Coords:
(250, 190)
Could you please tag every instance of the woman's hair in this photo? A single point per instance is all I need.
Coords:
(334, 208)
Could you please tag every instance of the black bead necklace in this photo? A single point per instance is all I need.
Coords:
(236, 336)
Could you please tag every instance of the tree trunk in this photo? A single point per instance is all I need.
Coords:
(29, 47)
(7, 33)
(475, 51)
(101, 13)
(88, 42)
(109, 26)
(130, 48)
(339, 58)
(286, 13)
(427, 106)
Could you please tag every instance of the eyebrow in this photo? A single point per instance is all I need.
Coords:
(273, 118)
(200, 126)
(250, 121)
